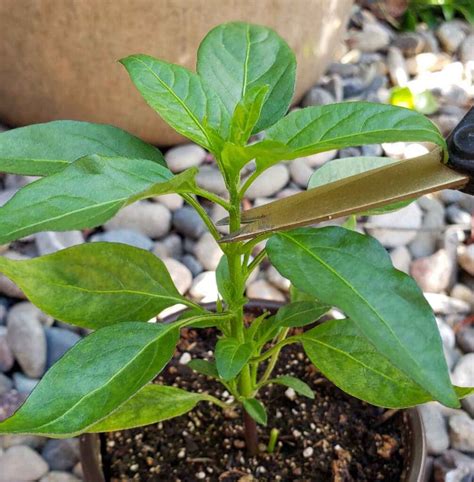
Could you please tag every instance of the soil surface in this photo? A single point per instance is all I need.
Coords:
(334, 437)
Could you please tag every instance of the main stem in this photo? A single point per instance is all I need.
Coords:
(238, 277)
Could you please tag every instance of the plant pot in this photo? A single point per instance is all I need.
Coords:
(415, 469)
(59, 58)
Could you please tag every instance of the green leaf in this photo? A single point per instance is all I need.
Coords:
(350, 166)
(235, 57)
(353, 272)
(204, 367)
(177, 95)
(86, 194)
(246, 114)
(340, 351)
(93, 378)
(224, 283)
(95, 284)
(256, 410)
(296, 384)
(152, 404)
(322, 128)
(231, 357)
(300, 313)
(44, 149)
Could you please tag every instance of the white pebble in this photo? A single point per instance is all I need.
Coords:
(185, 358)
(201, 475)
(290, 393)
(308, 452)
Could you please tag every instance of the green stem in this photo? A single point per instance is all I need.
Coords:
(248, 183)
(216, 401)
(275, 349)
(213, 198)
(204, 216)
(255, 262)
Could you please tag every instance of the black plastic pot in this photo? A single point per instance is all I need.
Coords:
(415, 469)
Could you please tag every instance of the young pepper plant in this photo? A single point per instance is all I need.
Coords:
(386, 351)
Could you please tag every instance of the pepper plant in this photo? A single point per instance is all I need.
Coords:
(387, 350)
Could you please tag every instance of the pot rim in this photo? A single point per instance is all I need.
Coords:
(414, 471)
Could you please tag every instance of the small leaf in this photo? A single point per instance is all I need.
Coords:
(86, 194)
(350, 166)
(224, 283)
(340, 351)
(204, 367)
(300, 313)
(44, 149)
(296, 384)
(95, 284)
(354, 272)
(246, 114)
(256, 410)
(152, 404)
(235, 57)
(177, 95)
(322, 128)
(231, 357)
(93, 378)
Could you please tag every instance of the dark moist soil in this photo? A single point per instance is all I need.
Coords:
(334, 437)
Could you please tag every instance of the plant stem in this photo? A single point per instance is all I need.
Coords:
(213, 198)
(255, 262)
(275, 349)
(202, 213)
(250, 433)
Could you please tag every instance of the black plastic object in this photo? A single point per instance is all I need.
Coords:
(461, 149)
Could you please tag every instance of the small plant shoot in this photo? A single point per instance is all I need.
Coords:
(386, 351)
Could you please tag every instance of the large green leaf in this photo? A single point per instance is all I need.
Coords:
(231, 356)
(296, 384)
(93, 378)
(152, 404)
(322, 128)
(235, 57)
(177, 95)
(350, 361)
(44, 149)
(86, 194)
(95, 284)
(353, 272)
(350, 166)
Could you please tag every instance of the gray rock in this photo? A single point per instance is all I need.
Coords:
(6, 355)
(59, 341)
(171, 201)
(180, 274)
(396, 228)
(8, 287)
(59, 476)
(410, 43)
(445, 305)
(208, 252)
(169, 247)
(462, 292)
(463, 375)
(33, 441)
(125, 236)
(21, 463)
(453, 466)
(188, 222)
(461, 432)
(450, 35)
(269, 183)
(465, 339)
(446, 123)
(5, 384)
(372, 150)
(397, 68)
(456, 215)
(449, 196)
(27, 340)
(183, 157)
(300, 171)
(61, 454)
(437, 438)
(447, 334)
(211, 179)
(373, 37)
(401, 258)
(217, 213)
(349, 152)
(318, 96)
(317, 160)
(427, 62)
(261, 289)
(192, 264)
(6, 195)
(204, 287)
(433, 273)
(151, 219)
(466, 258)
(424, 243)
(466, 51)
(49, 241)
(24, 384)
(277, 280)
